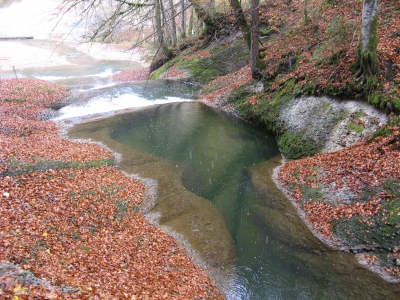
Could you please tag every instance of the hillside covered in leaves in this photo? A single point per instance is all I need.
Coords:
(301, 55)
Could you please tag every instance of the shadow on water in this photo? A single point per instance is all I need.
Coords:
(214, 187)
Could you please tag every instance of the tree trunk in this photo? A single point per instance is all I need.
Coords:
(203, 15)
(183, 20)
(173, 23)
(159, 29)
(191, 21)
(235, 4)
(212, 7)
(164, 23)
(255, 39)
(368, 44)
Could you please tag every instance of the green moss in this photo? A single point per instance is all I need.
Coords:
(379, 231)
(240, 95)
(16, 167)
(222, 61)
(343, 115)
(267, 31)
(358, 231)
(163, 69)
(355, 127)
(19, 100)
(201, 70)
(385, 130)
(331, 2)
(295, 145)
(313, 194)
(378, 100)
(295, 175)
(396, 105)
(266, 111)
(359, 114)
(331, 51)
(122, 210)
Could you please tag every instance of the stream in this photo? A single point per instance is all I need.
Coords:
(214, 190)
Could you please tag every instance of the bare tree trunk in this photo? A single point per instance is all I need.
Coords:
(173, 23)
(255, 39)
(183, 20)
(191, 21)
(368, 42)
(212, 7)
(159, 29)
(235, 4)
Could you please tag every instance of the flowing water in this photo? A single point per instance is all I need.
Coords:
(215, 191)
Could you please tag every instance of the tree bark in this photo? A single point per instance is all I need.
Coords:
(191, 21)
(173, 23)
(159, 29)
(255, 39)
(183, 20)
(235, 4)
(368, 44)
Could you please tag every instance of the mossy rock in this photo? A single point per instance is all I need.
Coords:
(266, 111)
(201, 70)
(222, 60)
(296, 145)
(385, 131)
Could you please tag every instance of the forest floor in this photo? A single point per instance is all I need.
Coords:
(70, 223)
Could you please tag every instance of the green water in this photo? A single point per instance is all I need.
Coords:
(215, 190)
(214, 148)
(229, 162)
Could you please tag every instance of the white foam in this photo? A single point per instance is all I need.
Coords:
(106, 73)
(102, 105)
(51, 78)
(102, 86)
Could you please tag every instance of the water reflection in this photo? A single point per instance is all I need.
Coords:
(214, 149)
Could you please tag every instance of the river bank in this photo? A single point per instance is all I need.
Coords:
(64, 206)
